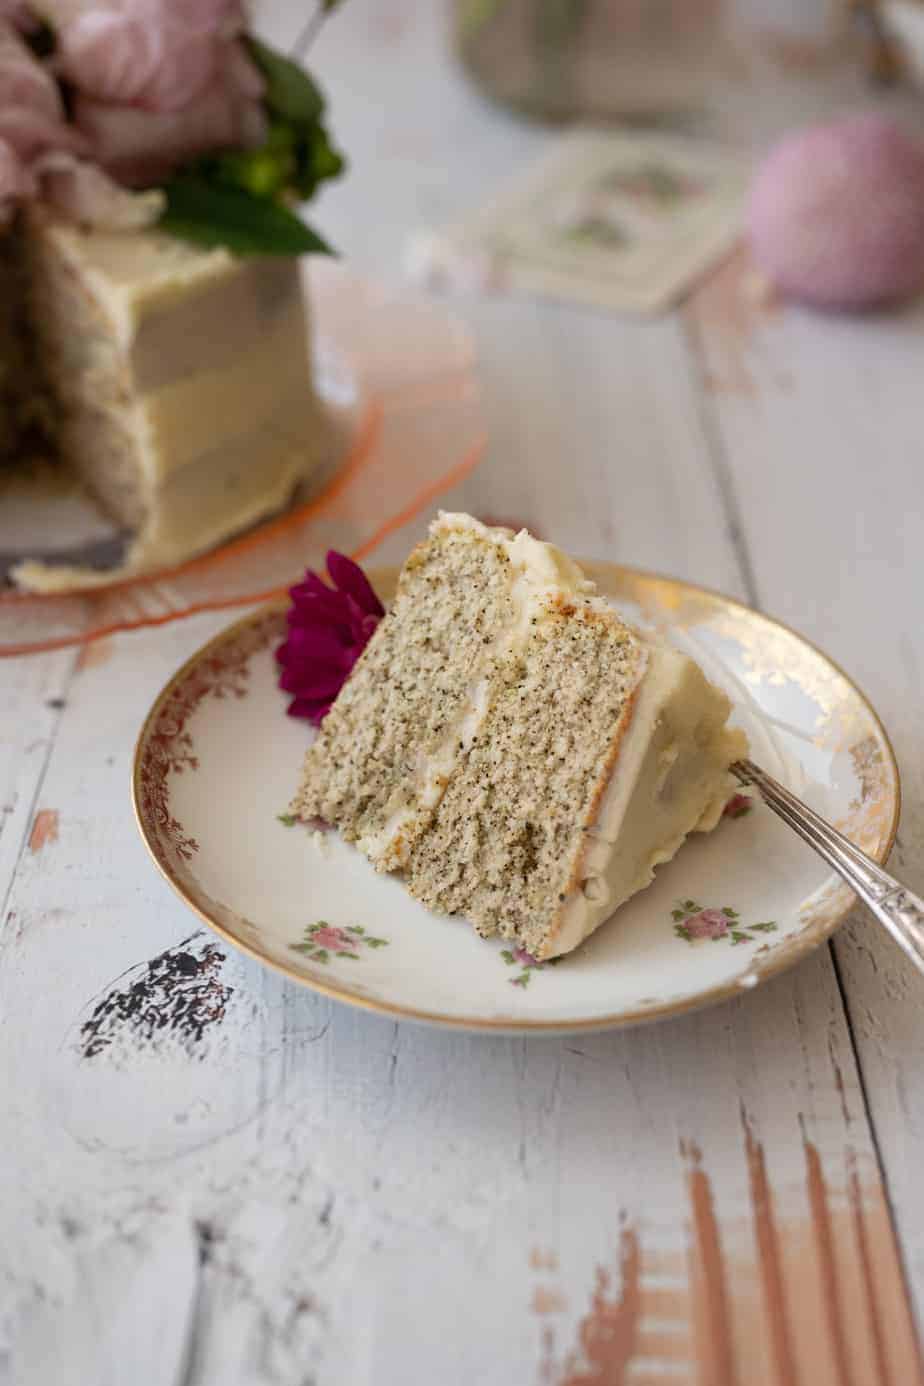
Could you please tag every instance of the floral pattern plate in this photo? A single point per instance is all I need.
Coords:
(217, 761)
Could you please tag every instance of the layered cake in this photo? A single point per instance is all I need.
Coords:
(517, 752)
(175, 381)
(153, 338)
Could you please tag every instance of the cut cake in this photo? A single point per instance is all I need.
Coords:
(175, 381)
(522, 756)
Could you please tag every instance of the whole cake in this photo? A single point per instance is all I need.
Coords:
(523, 757)
(153, 334)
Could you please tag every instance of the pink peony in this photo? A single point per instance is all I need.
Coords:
(139, 146)
(132, 61)
(32, 119)
(328, 630)
(836, 214)
(24, 82)
(18, 13)
(159, 56)
(706, 924)
(737, 806)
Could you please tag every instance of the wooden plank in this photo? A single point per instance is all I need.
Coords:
(819, 423)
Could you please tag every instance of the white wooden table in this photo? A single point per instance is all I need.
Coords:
(317, 1195)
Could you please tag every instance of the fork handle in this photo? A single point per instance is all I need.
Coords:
(898, 909)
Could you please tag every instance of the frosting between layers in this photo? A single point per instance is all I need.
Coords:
(542, 574)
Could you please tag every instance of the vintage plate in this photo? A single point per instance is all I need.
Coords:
(404, 424)
(217, 762)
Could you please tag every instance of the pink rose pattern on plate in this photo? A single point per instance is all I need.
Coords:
(518, 957)
(694, 924)
(323, 941)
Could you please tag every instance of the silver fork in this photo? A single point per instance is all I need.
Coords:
(897, 908)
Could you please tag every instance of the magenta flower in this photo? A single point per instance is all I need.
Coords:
(329, 627)
(706, 924)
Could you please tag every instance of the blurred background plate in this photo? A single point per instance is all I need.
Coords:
(397, 377)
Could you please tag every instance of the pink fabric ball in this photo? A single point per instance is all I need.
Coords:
(836, 213)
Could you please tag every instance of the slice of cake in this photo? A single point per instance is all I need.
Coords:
(178, 378)
(511, 746)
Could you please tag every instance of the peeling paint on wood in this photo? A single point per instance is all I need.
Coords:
(608, 1334)
(767, 1237)
(44, 829)
(178, 996)
(95, 653)
(708, 1276)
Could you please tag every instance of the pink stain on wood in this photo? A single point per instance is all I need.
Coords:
(95, 653)
(769, 1259)
(44, 829)
(823, 1230)
(547, 1301)
(711, 1313)
(608, 1333)
(816, 1299)
(891, 1323)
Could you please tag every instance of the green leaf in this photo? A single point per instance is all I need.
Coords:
(267, 171)
(691, 905)
(313, 928)
(507, 956)
(302, 947)
(315, 160)
(354, 956)
(521, 981)
(678, 914)
(322, 956)
(376, 942)
(683, 932)
(765, 928)
(355, 929)
(290, 92)
(730, 914)
(216, 214)
(288, 820)
(737, 936)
